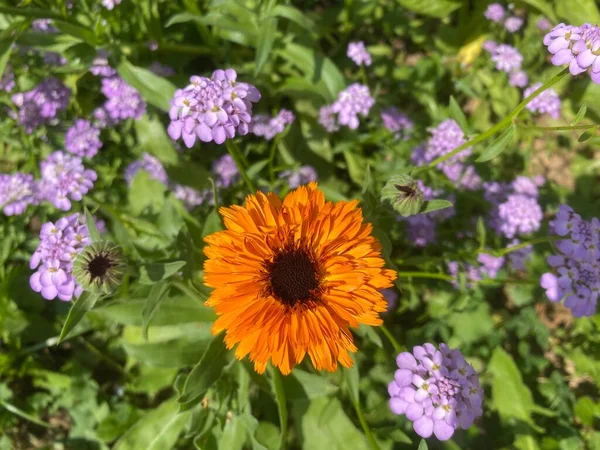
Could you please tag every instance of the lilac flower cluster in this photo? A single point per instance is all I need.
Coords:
(303, 175)
(495, 12)
(100, 65)
(506, 57)
(354, 100)
(151, 165)
(17, 191)
(7, 82)
(421, 228)
(212, 109)
(64, 178)
(578, 47)
(515, 208)
(359, 54)
(110, 4)
(123, 101)
(438, 390)
(226, 171)
(444, 138)
(518, 79)
(548, 102)
(489, 266)
(269, 127)
(576, 270)
(60, 243)
(397, 122)
(41, 104)
(83, 139)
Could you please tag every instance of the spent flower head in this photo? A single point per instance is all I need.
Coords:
(99, 267)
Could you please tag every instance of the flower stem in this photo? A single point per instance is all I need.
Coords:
(388, 334)
(272, 157)
(499, 126)
(514, 248)
(238, 158)
(433, 275)
(559, 128)
(277, 386)
(363, 423)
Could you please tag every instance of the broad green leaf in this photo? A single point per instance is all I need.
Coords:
(213, 224)
(156, 90)
(281, 400)
(356, 166)
(498, 146)
(580, 114)
(304, 385)
(369, 333)
(157, 430)
(435, 8)
(81, 306)
(145, 195)
(190, 174)
(234, 435)
(156, 295)
(578, 12)
(91, 225)
(458, 115)
(206, 372)
(434, 205)
(266, 39)
(526, 442)
(153, 138)
(296, 16)
(544, 7)
(586, 410)
(153, 272)
(266, 436)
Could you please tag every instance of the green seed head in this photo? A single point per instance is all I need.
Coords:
(100, 267)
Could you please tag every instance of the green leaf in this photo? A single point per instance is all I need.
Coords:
(19, 412)
(152, 138)
(234, 435)
(580, 114)
(156, 90)
(434, 8)
(457, 114)
(481, 232)
(205, 373)
(526, 442)
(368, 180)
(91, 225)
(498, 146)
(183, 18)
(301, 385)
(5, 50)
(296, 16)
(213, 224)
(153, 272)
(578, 11)
(81, 306)
(544, 7)
(434, 205)
(157, 430)
(157, 293)
(351, 380)
(423, 445)
(145, 194)
(587, 134)
(280, 399)
(266, 39)
(586, 410)
(356, 166)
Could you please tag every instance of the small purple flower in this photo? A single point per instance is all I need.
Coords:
(513, 24)
(83, 139)
(226, 171)
(490, 265)
(328, 119)
(7, 82)
(543, 24)
(397, 122)
(490, 46)
(110, 4)
(391, 295)
(518, 79)
(507, 58)
(42, 104)
(189, 196)
(303, 175)
(437, 390)
(494, 12)
(548, 102)
(212, 109)
(519, 215)
(151, 165)
(123, 101)
(54, 59)
(267, 127)
(472, 274)
(152, 45)
(100, 65)
(60, 243)
(64, 178)
(518, 258)
(44, 26)
(352, 101)
(17, 191)
(358, 53)
(161, 69)
(102, 119)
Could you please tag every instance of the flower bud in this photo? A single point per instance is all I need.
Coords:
(100, 267)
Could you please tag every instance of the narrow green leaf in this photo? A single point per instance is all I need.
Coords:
(266, 39)
(152, 138)
(277, 387)
(457, 114)
(587, 134)
(91, 225)
(498, 146)
(154, 89)
(580, 114)
(434, 8)
(151, 273)
(183, 18)
(156, 295)
(19, 412)
(435, 205)
(213, 224)
(368, 180)
(206, 372)
(423, 445)
(81, 306)
(352, 378)
(296, 16)
(5, 48)
(481, 232)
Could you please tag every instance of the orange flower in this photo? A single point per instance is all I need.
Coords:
(290, 277)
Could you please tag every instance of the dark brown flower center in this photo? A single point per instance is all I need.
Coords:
(99, 266)
(293, 276)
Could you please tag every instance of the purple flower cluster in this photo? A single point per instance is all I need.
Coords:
(212, 109)
(438, 390)
(151, 165)
(110, 4)
(444, 138)
(518, 258)
(41, 104)
(64, 178)
(391, 295)
(100, 65)
(543, 24)
(513, 24)
(489, 266)
(579, 47)
(518, 79)
(60, 243)
(359, 54)
(506, 57)
(44, 26)
(576, 270)
(354, 100)
(494, 12)
(226, 171)
(7, 82)
(123, 101)
(548, 102)
(83, 139)
(421, 228)
(17, 191)
(515, 207)
(269, 127)
(162, 70)
(303, 175)
(397, 122)
(191, 197)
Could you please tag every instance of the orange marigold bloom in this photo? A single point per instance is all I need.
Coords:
(291, 276)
